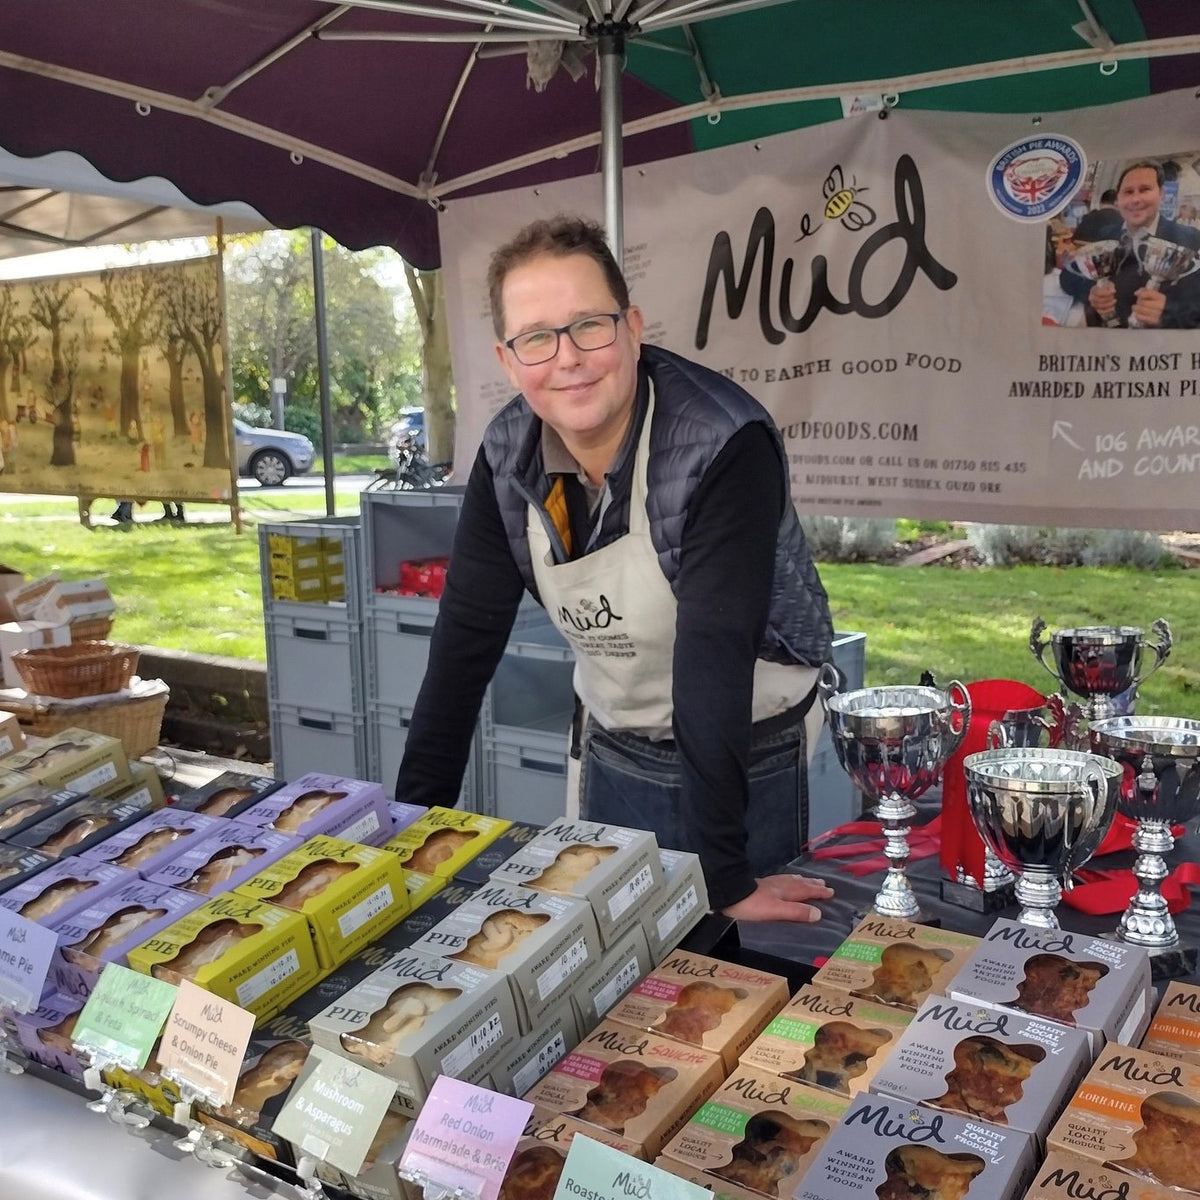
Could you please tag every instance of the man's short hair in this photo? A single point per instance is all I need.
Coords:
(559, 236)
(1143, 165)
(1108, 196)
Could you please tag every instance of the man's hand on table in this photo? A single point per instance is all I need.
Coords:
(781, 898)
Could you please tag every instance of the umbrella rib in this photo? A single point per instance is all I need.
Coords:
(31, 203)
(133, 220)
(691, 9)
(513, 36)
(516, 18)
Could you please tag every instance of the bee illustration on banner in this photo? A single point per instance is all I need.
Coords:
(842, 204)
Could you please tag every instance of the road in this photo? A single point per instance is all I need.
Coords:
(248, 489)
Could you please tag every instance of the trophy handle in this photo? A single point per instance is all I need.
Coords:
(959, 719)
(1037, 647)
(1161, 648)
(997, 736)
(1092, 787)
(829, 682)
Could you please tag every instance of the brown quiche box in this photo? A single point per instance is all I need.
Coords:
(828, 1039)
(1066, 1177)
(1138, 1112)
(639, 1086)
(758, 1131)
(1175, 1029)
(537, 1162)
(721, 1189)
(705, 1002)
(896, 962)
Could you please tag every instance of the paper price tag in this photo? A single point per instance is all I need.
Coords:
(26, 949)
(335, 1109)
(464, 1138)
(601, 1173)
(123, 1016)
(204, 1041)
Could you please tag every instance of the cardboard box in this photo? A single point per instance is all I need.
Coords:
(1005, 1068)
(307, 589)
(557, 1033)
(26, 635)
(74, 758)
(76, 600)
(1138, 1112)
(259, 956)
(13, 783)
(349, 894)
(444, 840)
(721, 1189)
(44, 1035)
(758, 1132)
(11, 580)
(421, 887)
(1099, 986)
(377, 1178)
(228, 855)
(829, 1040)
(478, 870)
(896, 962)
(229, 795)
(354, 810)
(1175, 1029)
(703, 1002)
(145, 787)
(153, 840)
(24, 600)
(886, 1147)
(403, 815)
(1066, 1177)
(603, 985)
(537, 1163)
(18, 864)
(79, 826)
(615, 870)
(31, 804)
(12, 738)
(418, 1017)
(681, 905)
(63, 888)
(540, 942)
(632, 1083)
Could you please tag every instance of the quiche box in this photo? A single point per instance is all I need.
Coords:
(1175, 1029)
(537, 1162)
(79, 826)
(151, 841)
(403, 815)
(44, 1034)
(27, 806)
(1139, 1112)
(349, 894)
(721, 1189)
(74, 758)
(896, 962)
(705, 1002)
(615, 870)
(352, 809)
(256, 955)
(540, 941)
(418, 1017)
(421, 887)
(444, 840)
(63, 888)
(108, 928)
(145, 787)
(602, 985)
(478, 870)
(681, 905)
(900, 1151)
(1006, 1068)
(634, 1084)
(377, 1178)
(1066, 1177)
(229, 795)
(759, 1132)
(1097, 985)
(557, 1033)
(18, 864)
(12, 738)
(224, 857)
(828, 1039)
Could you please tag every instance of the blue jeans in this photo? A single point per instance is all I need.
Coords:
(629, 780)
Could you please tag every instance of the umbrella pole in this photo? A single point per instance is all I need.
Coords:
(318, 263)
(611, 50)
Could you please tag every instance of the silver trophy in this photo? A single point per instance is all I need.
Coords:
(1097, 262)
(893, 742)
(1043, 813)
(1099, 662)
(1161, 788)
(1164, 262)
(1057, 724)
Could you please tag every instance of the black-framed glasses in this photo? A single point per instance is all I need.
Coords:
(588, 333)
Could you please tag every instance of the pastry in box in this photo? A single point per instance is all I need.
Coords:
(151, 841)
(537, 1162)
(18, 864)
(73, 758)
(720, 1189)
(1066, 1177)
(603, 984)
(556, 1034)
(705, 1002)
(27, 806)
(230, 794)
(354, 810)
(1175, 1029)
(65, 887)
(45, 1034)
(224, 857)
(682, 904)
(79, 826)
(636, 1085)
(444, 840)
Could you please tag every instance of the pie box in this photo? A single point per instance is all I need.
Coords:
(226, 856)
(444, 840)
(447, 1018)
(616, 870)
(896, 962)
(421, 920)
(557, 1033)
(1175, 1029)
(632, 1083)
(161, 1093)
(901, 1151)
(146, 787)
(18, 864)
(721, 1189)
(541, 942)
(12, 783)
(704, 1002)
(828, 1039)
(76, 828)
(537, 1162)
(757, 1131)
(152, 841)
(479, 869)
(32, 804)
(106, 930)
(44, 1034)
(1096, 985)
(11, 737)
(421, 887)
(63, 888)
(229, 795)
(352, 809)
(377, 1178)
(1066, 1177)
(602, 985)
(1139, 1112)
(74, 758)
(681, 905)
(256, 955)
(1007, 1068)
(403, 815)
(349, 894)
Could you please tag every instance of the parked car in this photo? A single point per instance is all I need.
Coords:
(271, 455)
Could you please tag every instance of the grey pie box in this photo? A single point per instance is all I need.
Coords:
(540, 941)
(64, 888)
(1096, 985)
(536, 1053)
(377, 1178)
(603, 984)
(418, 1017)
(27, 806)
(152, 841)
(681, 905)
(18, 864)
(231, 793)
(81, 825)
(1006, 1068)
(616, 870)
(889, 1148)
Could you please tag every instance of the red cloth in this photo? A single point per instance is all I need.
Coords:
(923, 842)
(1103, 892)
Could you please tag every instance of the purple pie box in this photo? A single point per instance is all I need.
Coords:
(354, 810)
(45, 1034)
(91, 938)
(66, 887)
(153, 841)
(403, 815)
(226, 856)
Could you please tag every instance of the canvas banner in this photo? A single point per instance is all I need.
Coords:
(893, 291)
(113, 384)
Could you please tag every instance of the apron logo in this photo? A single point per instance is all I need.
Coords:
(589, 615)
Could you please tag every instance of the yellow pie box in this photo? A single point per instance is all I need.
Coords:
(421, 887)
(444, 840)
(1175, 1029)
(257, 955)
(349, 894)
(149, 1084)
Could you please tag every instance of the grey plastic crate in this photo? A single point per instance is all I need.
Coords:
(400, 526)
(525, 779)
(850, 657)
(305, 739)
(387, 734)
(348, 531)
(532, 690)
(315, 656)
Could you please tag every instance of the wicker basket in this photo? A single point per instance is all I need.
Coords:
(136, 722)
(91, 629)
(80, 669)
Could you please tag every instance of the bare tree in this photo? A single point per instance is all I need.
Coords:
(174, 350)
(52, 310)
(62, 396)
(14, 333)
(129, 299)
(437, 376)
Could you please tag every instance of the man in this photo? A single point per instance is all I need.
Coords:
(644, 500)
(1127, 294)
(1101, 222)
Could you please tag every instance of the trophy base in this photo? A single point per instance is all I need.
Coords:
(966, 895)
(922, 917)
(1176, 962)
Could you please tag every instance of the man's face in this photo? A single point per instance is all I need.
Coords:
(585, 395)
(1138, 198)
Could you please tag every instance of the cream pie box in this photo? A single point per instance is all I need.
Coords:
(720, 1189)
(1067, 1177)
(604, 983)
(73, 758)
(354, 810)
(418, 1017)
(556, 1033)
(542, 942)
(12, 738)
(1175, 1029)
(377, 1178)
(668, 917)
(615, 870)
